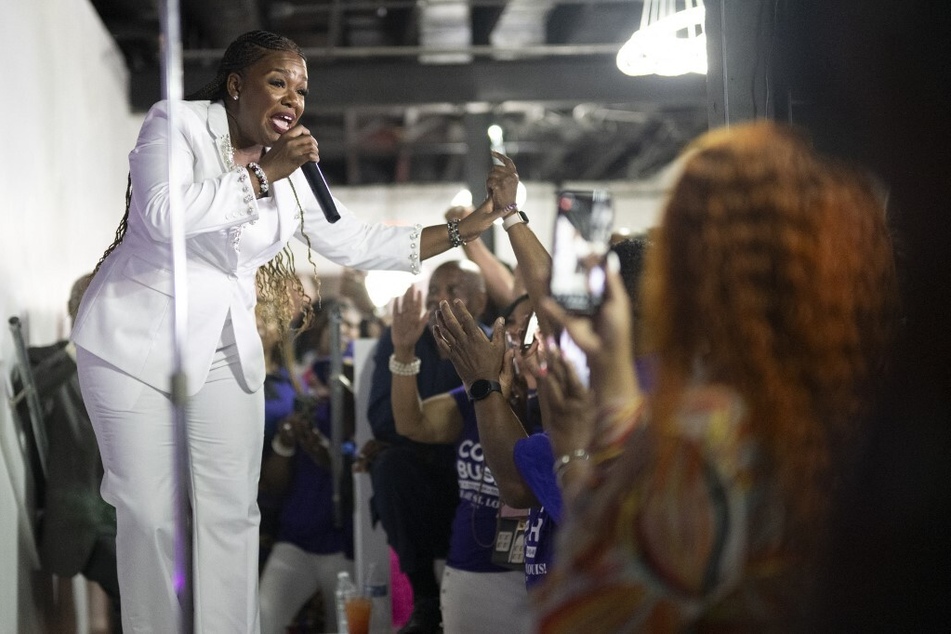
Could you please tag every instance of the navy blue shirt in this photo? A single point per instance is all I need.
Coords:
(436, 376)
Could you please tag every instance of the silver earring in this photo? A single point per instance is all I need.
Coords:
(236, 97)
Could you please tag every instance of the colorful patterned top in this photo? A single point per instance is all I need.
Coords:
(675, 530)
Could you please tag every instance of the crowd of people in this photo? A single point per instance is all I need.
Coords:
(682, 480)
(687, 482)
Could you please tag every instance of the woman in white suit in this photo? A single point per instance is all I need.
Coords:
(237, 149)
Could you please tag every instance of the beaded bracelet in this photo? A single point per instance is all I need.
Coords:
(454, 238)
(281, 449)
(404, 369)
(262, 178)
(509, 208)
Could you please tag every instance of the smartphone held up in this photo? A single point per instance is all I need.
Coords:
(583, 223)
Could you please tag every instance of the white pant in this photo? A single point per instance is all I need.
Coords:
(481, 602)
(135, 430)
(291, 576)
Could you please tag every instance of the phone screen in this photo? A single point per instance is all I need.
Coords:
(530, 331)
(580, 243)
(575, 356)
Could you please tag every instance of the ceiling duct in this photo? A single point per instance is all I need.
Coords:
(521, 24)
(446, 27)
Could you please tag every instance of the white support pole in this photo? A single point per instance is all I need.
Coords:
(172, 92)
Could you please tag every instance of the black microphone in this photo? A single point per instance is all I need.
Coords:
(321, 192)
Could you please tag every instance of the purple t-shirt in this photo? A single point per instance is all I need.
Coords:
(534, 460)
(307, 514)
(473, 527)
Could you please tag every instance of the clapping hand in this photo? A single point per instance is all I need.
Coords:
(567, 406)
(461, 340)
(409, 322)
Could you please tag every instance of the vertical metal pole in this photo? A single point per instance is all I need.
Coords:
(336, 413)
(478, 160)
(172, 92)
(30, 393)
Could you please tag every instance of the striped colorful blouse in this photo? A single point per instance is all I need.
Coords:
(675, 531)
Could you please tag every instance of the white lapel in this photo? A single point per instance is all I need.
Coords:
(218, 126)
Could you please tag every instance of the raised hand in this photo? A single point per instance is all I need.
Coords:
(409, 322)
(460, 338)
(606, 338)
(502, 182)
(567, 406)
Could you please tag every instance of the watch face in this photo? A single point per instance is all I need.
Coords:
(482, 388)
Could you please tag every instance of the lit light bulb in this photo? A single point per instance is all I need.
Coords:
(667, 43)
(495, 137)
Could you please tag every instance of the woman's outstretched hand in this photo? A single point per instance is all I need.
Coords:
(500, 184)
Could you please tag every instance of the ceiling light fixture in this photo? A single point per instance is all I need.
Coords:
(670, 40)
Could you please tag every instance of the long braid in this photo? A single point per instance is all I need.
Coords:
(120, 230)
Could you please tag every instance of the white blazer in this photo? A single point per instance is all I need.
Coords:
(126, 314)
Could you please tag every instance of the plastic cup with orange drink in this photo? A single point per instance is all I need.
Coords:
(359, 608)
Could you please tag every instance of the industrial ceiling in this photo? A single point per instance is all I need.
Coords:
(402, 91)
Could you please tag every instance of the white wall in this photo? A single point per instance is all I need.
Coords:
(66, 133)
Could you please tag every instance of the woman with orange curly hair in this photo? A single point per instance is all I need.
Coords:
(767, 295)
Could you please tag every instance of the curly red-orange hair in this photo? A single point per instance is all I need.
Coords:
(773, 272)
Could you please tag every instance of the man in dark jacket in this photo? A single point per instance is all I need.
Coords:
(414, 484)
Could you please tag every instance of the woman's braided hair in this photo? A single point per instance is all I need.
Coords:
(280, 292)
(242, 53)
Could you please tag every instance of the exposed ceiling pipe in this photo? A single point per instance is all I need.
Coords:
(445, 24)
(521, 24)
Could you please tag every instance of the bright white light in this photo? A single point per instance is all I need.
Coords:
(383, 286)
(462, 199)
(671, 44)
(521, 195)
(495, 135)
